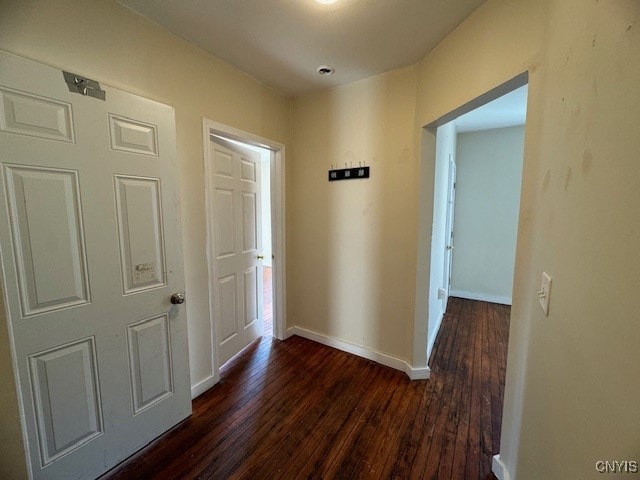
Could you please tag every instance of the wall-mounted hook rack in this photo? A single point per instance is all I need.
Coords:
(348, 173)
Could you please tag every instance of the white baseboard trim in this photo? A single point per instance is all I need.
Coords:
(419, 373)
(499, 469)
(202, 386)
(432, 339)
(483, 297)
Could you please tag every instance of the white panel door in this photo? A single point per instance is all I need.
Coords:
(237, 243)
(91, 254)
(451, 204)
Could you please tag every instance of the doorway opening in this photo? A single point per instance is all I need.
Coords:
(472, 161)
(265, 241)
(477, 176)
(244, 177)
(489, 156)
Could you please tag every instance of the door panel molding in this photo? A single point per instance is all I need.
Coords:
(36, 116)
(133, 136)
(251, 294)
(140, 232)
(227, 306)
(249, 222)
(45, 210)
(149, 345)
(66, 394)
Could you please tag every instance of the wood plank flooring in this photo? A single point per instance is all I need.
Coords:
(297, 410)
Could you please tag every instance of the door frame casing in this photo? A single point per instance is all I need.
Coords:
(278, 229)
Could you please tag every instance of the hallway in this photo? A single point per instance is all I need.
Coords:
(298, 409)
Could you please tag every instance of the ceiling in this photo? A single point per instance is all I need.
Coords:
(506, 111)
(282, 42)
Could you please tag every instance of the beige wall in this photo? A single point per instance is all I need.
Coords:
(105, 41)
(571, 393)
(581, 386)
(352, 276)
(500, 40)
(489, 174)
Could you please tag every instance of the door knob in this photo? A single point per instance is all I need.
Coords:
(260, 257)
(449, 247)
(177, 298)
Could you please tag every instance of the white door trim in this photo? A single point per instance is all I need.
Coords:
(451, 199)
(278, 228)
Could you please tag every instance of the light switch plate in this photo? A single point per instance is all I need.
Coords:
(545, 292)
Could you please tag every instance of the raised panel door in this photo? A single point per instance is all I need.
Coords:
(91, 253)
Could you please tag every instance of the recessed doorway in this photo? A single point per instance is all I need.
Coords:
(245, 239)
(476, 196)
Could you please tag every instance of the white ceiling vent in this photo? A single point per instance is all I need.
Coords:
(326, 70)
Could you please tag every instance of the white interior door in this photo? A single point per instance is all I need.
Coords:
(91, 254)
(451, 203)
(237, 243)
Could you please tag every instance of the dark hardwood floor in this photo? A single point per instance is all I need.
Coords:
(297, 409)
